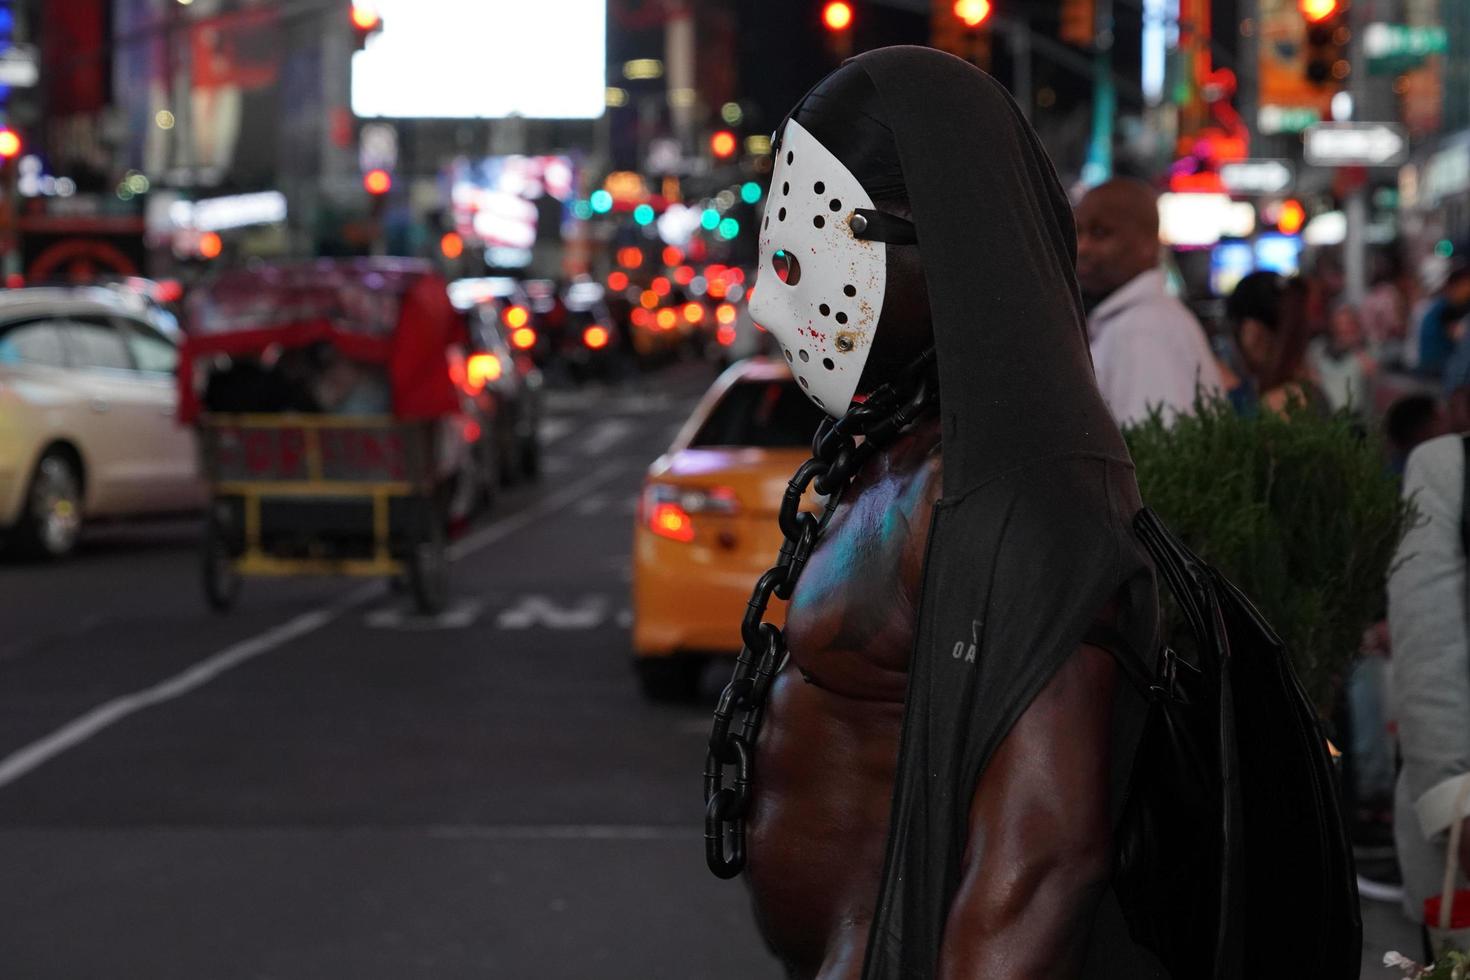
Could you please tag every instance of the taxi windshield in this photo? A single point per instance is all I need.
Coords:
(760, 414)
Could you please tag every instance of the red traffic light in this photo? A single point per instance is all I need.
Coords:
(1318, 10)
(1292, 217)
(837, 16)
(972, 12)
(9, 144)
(377, 181)
(365, 17)
(722, 144)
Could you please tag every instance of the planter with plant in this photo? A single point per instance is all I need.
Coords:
(1298, 510)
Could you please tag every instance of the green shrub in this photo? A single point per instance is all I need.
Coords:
(1299, 510)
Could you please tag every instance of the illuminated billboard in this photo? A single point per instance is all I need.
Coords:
(484, 59)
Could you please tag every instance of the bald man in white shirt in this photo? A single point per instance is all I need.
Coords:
(1148, 350)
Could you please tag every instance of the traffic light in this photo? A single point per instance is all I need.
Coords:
(1317, 10)
(837, 16)
(1327, 39)
(722, 144)
(1078, 22)
(972, 13)
(10, 144)
(366, 21)
(1292, 217)
(377, 182)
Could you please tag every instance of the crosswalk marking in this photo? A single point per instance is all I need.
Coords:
(458, 616)
(605, 435)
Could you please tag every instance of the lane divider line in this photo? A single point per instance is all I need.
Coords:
(566, 832)
(79, 730)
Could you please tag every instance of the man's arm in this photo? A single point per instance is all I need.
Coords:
(1040, 844)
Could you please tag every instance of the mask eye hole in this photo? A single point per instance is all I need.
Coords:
(788, 270)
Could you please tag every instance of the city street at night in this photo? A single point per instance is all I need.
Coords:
(734, 489)
(324, 784)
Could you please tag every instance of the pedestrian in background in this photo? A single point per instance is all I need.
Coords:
(1268, 315)
(1409, 421)
(1341, 363)
(1148, 350)
(1442, 325)
(1430, 666)
(1385, 317)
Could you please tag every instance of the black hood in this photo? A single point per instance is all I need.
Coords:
(1031, 538)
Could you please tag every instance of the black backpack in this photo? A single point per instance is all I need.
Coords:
(1233, 860)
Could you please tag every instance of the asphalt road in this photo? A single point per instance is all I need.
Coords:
(322, 785)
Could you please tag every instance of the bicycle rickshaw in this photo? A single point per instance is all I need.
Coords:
(298, 488)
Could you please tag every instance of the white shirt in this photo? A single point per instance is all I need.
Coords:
(1148, 350)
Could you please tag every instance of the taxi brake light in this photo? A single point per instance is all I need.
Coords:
(693, 312)
(523, 339)
(673, 522)
(595, 337)
(725, 335)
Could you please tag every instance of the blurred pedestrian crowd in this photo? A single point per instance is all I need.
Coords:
(1398, 361)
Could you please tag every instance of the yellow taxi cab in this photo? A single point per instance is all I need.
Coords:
(706, 526)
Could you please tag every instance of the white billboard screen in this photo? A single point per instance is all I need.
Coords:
(484, 59)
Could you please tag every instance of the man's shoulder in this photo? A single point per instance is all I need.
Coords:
(1440, 458)
(1150, 315)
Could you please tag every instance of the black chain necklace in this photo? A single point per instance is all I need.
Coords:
(837, 457)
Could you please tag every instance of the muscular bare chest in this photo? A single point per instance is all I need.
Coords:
(850, 627)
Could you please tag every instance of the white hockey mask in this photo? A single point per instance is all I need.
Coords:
(819, 288)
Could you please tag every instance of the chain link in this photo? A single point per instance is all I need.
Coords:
(837, 456)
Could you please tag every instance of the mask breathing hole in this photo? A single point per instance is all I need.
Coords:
(781, 215)
(849, 290)
(805, 357)
(819, 187)
(787, 353)
(827, 363)
(803, 382)
(841, 317)
(824, 309)
(787, 269)
(835, 204)
(785, 187)
(819, 402)
(789, 157)
(819, 221)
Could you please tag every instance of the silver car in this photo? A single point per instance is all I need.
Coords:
(87, 415)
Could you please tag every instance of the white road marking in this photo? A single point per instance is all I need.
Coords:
(73, 733)
(569, 831)
(458, 616)
(605, 435)
(551, 430)
(590, 505)
(539, 610)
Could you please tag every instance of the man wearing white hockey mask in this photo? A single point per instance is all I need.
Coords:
(930, 795)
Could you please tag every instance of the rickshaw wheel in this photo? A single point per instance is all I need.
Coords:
(428, 571)
(221, 582)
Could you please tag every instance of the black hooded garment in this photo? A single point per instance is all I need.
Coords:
(1031, 539)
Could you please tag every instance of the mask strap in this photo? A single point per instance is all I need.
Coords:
(878, 226)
